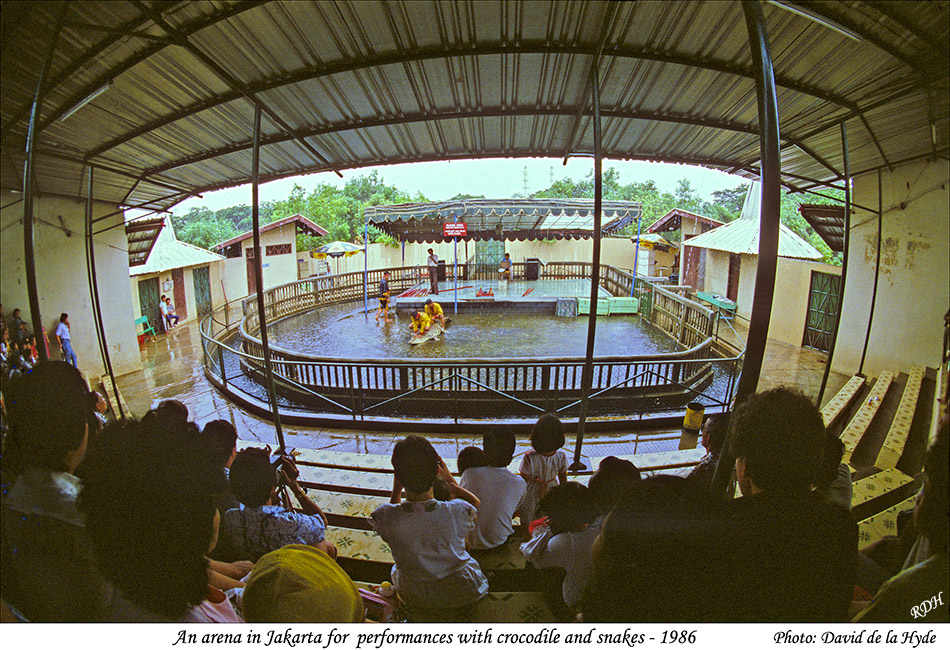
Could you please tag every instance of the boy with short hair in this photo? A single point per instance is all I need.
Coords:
(427, 537)
(383, 298)
(499, 491)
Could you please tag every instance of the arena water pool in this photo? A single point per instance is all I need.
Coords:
(515, 325)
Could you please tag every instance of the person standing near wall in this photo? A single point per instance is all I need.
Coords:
(62, 333)
(433, 263)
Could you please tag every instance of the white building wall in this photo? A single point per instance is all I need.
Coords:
(913, 283)
(790, 302)
(62, 279)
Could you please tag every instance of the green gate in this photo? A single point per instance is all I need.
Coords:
(822, 311)
(149, 303)
(488, 256)
(202, 279)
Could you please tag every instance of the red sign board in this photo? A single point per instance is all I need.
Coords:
(450, 229)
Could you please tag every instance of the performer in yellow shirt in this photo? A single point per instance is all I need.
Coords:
(434, 312)
(420, 323)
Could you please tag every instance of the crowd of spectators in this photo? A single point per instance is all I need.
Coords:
(158, 520)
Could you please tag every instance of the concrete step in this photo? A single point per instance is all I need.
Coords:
(859, 424)
(873, 528)
(893, 447)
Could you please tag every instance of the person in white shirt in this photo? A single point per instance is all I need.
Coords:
(499, 491)
(433, 264)
(566, 538)
(432, 569)
(62, 333)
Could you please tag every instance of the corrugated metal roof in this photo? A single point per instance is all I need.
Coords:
(672, 220)
(302, 223)
(519, 219)
(169, 253)
(142, 236)
(828, 222)
(742, 235)
(349, 84)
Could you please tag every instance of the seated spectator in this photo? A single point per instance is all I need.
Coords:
(615, 481)
(834, 477)
(170, 313)
(662, 555)
(499, 491)
(259, 525)
(796, 553)
(224, 437)
(545, 465)
(566, 538)
(150, 496)
(49, 569)
(470, 457)
(427, 537)
(901, 598)
(713, 439)
(299, 584)
(18, 330)
(172, 408)
(97, 408)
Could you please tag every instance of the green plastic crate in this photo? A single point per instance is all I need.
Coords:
(603, 306)
(623, 305)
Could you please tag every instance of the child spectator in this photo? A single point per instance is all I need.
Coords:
(545, 465)
(615, 481)
(714, 439)
(471, 457)
(150, 496)
(49, 569)
(224, 437)
(171, 408)
(432, 568)
(299, 584)
(260, 526)
(499, 491)
(566, 538)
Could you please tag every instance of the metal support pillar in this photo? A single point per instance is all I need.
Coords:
(366, 267)
(636, 256)
(455, 273)
(29, 254)
(94, 292)
(771, 200)
(877, 266)
(259, 274)
(587, 376)
(844, 264)
(769, 144)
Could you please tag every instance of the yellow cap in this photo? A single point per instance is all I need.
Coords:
(300, 584)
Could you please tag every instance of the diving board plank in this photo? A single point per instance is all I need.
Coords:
(873, 486)
(893, 445)
(840, 402)
(883, 523)
(862, 419)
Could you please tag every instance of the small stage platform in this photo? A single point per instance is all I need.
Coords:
(517, 295)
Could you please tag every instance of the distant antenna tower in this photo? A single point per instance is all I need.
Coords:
(526, 181)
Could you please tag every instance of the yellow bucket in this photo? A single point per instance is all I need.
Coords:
(694, 416)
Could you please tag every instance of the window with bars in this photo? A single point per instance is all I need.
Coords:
(279, 249)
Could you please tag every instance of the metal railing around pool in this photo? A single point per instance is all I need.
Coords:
(472, 389)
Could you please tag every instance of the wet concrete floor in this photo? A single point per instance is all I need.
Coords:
(173, 370)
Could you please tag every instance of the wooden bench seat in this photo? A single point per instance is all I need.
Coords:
(862, 419)
(893, 447)
(842, 400)
(883, 523)
(876, 485)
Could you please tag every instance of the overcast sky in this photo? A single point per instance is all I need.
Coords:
(494, 178)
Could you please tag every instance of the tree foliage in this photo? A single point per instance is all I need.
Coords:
(341, 211)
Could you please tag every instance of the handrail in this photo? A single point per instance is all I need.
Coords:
(368, 384)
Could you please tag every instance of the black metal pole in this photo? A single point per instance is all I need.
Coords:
(844, 263)
(877, 267)
(29, 256)
(768, 221)
(94, 292)
(771, 200)
(587, 376)
(259, 273)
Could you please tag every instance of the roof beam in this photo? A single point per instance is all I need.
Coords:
(592, 66)
(527, 48)
(347, 125)
(120, 32)
(114, 170)
(83, 92)
(231, 81)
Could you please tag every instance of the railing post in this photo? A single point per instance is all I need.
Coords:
(224, 375)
